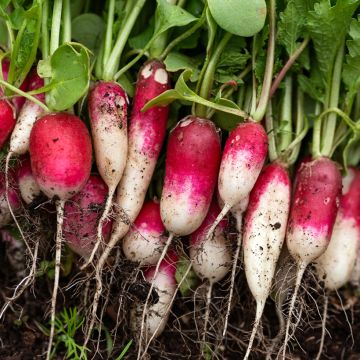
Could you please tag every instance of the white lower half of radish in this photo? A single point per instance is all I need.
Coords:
(157, 314)
(263, 238)
(179, 213)
(309, 242)
(29, 189)
(20, 137)
(335, 266)
(110, 144)
(211, 258)
(143, 247)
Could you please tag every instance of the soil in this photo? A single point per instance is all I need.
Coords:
(22, 334)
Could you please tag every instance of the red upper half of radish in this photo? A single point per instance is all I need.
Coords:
(191, 168)
(60, 152)
(81, 216)
(7, 121)
(314, 208)
(167, 267)
(243, 158)
(153, 80)
(149, 218)
(36, 82)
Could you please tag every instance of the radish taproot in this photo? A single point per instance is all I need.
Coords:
(164, 283)
(335, 266)
(264, 234)
(60, 153)
(108, 119)
(81, 214)
(312, 216)
(145, 239)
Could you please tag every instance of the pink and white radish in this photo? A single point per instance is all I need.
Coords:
(108, 119)
(242, 160)
(7, 121)
(146, 135)
(145, 240)
(312, 217)
(335, 266)
(29, 189)
(60, 153)
(264, 234)
(81, 217)
(164, 283)
(210, 257)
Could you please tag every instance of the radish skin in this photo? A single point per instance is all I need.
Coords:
(108, 119)
(264, 234)
(242, 160)
(145, 239)
(165, 285)
(146, 135)
(312, 216)
(29, 188)
(82, 216)
(7, 121)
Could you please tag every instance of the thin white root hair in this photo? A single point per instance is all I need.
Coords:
(222, 214)
(323, 327)
(168, 308)
(143, 320)
(232, 282)
(346, 317)
(103, 218)
(300, 273)
(207, 312)
(276, 340)
(60, 219)
(24, 283)
(259, 311)
(10, 208)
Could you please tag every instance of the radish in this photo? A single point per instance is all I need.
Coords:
(312, 217)
(29, 189)
(60, 153)
(145, 239)
(164, 283)
(81, 217)
(108, 119)
(334, 267)
(146, 135)
(210, 258)
(7, 121)
(264, 234)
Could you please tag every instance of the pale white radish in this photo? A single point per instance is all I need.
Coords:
(145, 240)
(264, 234)
(29, 188)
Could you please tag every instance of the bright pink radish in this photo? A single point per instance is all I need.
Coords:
(60, 152)
(29, 189)
(82, 215)
(191, 168)
(210, 258)
(264, 234)
(242, 160)
(30, 112)
(7, 121)
(108, 119)
(312, 216)
(145, 239)
(14, 199)
(165, 285)
(335, 266)
(146, 135)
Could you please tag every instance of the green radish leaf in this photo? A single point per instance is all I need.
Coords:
(181, 91)
(191, 281)
(224, 121)
(351, 69)
(328, 26)
(69, 76)
(3, 33)
(239, 17)
(176, 61)
(139, 41)
(88, 29)
(292, 24)
(26, 44)
(312, 86)
(351, 152)
(168, 16)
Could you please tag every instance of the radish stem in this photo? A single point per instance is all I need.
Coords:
(109, 30)
(55, 26)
